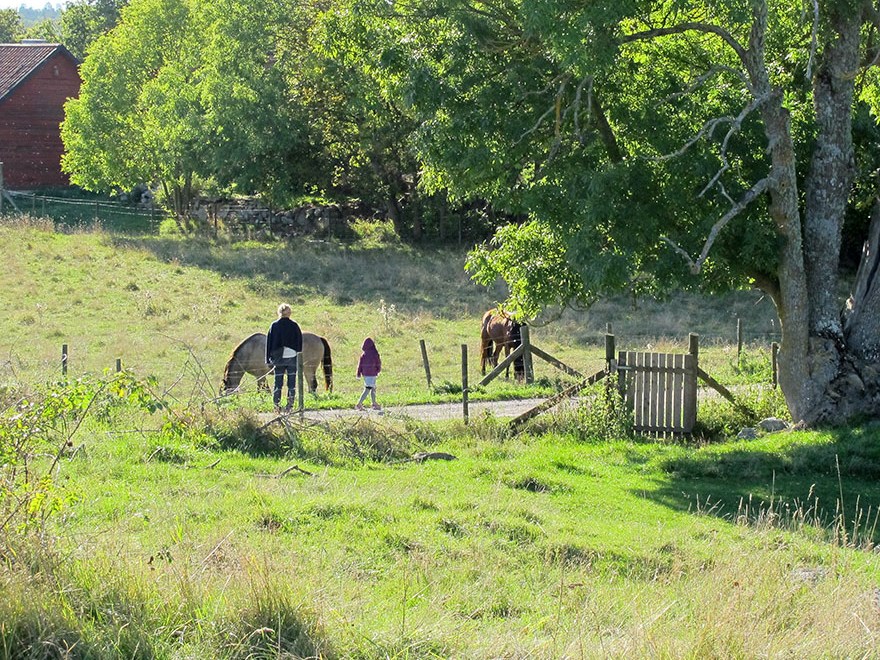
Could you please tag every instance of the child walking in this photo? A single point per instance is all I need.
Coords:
(369, 366)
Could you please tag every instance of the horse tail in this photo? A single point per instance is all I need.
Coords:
(485, 341)
(328, 365)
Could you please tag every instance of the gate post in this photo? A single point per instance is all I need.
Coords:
(299, 384)
(527, 355)
(690, 383)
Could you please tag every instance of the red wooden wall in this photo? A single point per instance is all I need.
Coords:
(30, 118)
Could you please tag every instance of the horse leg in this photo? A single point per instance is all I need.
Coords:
(485, 354)
(496, 353)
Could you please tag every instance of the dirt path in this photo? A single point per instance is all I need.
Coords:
(430, 412)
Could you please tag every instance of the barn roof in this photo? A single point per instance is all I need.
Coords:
(18, 61)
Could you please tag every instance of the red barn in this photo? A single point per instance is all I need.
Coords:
(36, 78)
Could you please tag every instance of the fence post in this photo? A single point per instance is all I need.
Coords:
(97, 210)
(608, 329)
(739, 339)
(612, 377)
(118, 365)
(464, 382)
(527, 355)
(690, 382)
(774, 363)
(34, 204)
(425, 361)
(64, 360)
(2, 191)
(299, 384)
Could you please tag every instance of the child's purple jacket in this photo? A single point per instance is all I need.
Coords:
(370, 363)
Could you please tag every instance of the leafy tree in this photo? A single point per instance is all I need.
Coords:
(85, 20)
(663, 144)
(258, 128)
(11, 28)
(187, 93)
(45, 29)
(364, 129)
(134, 119)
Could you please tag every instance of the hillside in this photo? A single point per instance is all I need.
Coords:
(175, 308)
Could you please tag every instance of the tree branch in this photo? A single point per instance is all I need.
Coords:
(750, 196)
(707, 28)
(696, 265)
(813, 39)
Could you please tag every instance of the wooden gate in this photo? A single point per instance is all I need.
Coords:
(660, 389)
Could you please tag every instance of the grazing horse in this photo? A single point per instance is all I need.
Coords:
(500, 332)
(250, 357)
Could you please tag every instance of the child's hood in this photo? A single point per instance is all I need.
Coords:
(369, 345)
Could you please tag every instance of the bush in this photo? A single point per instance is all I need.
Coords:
(603, 414)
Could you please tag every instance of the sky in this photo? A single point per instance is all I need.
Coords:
(35, 4)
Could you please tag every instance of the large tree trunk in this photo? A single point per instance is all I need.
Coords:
(828, 371)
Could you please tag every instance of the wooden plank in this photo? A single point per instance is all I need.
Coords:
(506, 362)
(558, 397)
(668, 387)
(651, 360)
(645, 386)
(556, 363)
(679, 393)
(660, 393)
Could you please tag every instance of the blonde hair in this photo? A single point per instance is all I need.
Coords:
(284, 309)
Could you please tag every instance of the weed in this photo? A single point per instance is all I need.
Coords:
(602, 414)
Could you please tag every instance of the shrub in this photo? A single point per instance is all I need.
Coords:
(602, 414)
(718, 419)
(38, 429)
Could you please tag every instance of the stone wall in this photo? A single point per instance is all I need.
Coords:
(248, 218)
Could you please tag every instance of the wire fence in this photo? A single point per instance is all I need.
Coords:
(77, 211)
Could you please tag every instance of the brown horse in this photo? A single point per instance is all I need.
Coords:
(500, 332)
(250, 357)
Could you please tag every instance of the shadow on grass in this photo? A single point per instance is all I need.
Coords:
(793, 478)
(406, 277)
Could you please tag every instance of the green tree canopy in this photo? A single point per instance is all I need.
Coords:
(180, 92)
(11, 28)
(662, 144)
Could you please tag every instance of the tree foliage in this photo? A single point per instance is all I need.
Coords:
(11, 27)
(658, 145)
(82, 22)
(180, 94)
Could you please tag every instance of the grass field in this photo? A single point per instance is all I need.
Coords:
(196, 530)
(175, 308)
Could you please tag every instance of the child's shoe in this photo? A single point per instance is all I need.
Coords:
(376, 406)
(359, 407)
